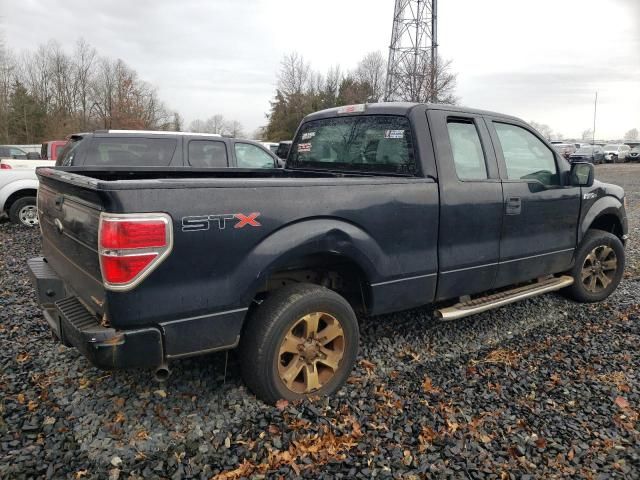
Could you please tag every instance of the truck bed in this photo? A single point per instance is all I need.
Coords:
(385, 225)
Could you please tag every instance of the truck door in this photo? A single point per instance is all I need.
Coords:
(539, 227)
(470, 204)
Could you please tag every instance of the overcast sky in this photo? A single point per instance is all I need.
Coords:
(540, 60)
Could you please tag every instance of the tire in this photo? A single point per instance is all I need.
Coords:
(598, 245)
(24, 212)
(282, 315)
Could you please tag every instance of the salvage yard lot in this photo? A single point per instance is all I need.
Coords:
(543, 388)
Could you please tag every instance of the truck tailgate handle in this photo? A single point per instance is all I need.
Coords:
(513, 206)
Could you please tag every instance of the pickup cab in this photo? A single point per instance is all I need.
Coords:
(381, 208)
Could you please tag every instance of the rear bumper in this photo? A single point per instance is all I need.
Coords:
(75, 326)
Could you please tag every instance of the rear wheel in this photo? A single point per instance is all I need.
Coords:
(302, 340)
(599, 267)
(24, 212)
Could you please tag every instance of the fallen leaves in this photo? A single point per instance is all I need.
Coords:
(282, 404)
(621, 402)
(429, 387)
(23, 357)
(499, 356)
(367, 365)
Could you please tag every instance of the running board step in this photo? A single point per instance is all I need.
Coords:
(482, 304)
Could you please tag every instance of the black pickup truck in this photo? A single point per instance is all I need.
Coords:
(380, 208)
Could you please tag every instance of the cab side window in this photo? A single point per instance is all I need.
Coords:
(466, 147)
(526, 156)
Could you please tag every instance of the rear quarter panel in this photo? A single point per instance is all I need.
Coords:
(388, 226)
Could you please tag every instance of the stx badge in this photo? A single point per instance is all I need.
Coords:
(203, 222)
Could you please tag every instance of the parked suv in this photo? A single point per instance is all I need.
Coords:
(139, 148)
(616, 153)
(590, 153)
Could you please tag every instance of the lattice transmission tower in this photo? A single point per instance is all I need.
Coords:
(413, 52)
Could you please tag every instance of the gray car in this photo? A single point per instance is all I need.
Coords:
(592, 154)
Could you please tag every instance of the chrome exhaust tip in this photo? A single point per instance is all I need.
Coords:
(162, 373)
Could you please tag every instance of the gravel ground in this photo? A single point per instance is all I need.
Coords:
(545, 388)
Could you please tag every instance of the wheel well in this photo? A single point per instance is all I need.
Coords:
(27, 192)
(608, 223)
(332, 271)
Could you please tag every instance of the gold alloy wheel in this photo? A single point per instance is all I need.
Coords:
(310, 352)
(599, 268)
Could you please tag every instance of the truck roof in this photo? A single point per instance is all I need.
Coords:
(151, 132)
(398, 108)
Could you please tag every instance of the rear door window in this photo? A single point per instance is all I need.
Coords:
(131, 151)
(468, 155)
(207, 154)
(371, 143)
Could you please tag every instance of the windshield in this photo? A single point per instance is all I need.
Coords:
(585, 150)
(372, 143)
(611, 147)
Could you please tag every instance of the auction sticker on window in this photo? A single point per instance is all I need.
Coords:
(394, 134)
(304, 147)
(308, 135)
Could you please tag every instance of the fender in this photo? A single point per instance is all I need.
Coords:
(608, 205)
(315, 236)
(14, 186)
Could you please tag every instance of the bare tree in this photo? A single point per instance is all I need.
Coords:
(294, 74)
(7, 79)
(84, 62)
(217, 124)
(371, 70)
(632, 134)
(587, 135)
(234, 128)
(422, 81)
(544, 130)
(198, 126)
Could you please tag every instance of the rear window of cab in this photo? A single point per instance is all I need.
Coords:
(363, 143)
(119, 151)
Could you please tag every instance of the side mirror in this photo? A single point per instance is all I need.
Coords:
(582, 174)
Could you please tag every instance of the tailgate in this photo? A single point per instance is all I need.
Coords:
(69, 219)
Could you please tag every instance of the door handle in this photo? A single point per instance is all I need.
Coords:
(513, 206)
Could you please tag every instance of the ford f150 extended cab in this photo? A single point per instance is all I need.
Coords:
(380, 208)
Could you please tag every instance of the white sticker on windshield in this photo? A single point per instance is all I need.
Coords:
(304, 147)
(394, 134)
(308, 135)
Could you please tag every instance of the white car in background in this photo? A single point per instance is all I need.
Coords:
(18, 190)
(616, 152)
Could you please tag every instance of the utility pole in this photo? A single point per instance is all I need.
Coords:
(595, 108)
(413, 50)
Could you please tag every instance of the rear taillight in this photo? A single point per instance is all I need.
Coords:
(131, 246)
(4, 166)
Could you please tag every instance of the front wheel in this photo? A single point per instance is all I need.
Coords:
(302, 340)
(24, 212)
(598, 267)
